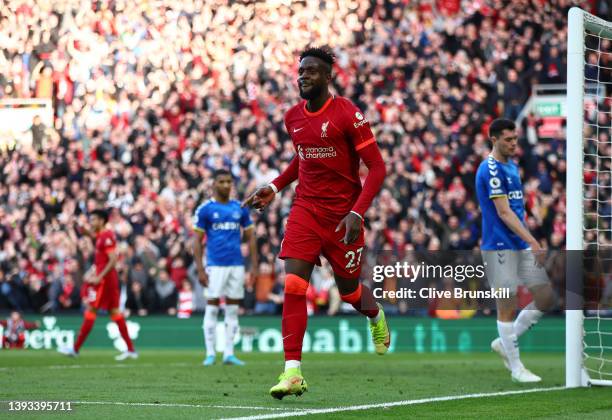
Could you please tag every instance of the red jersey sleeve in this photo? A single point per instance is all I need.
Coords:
(356, 126)
(109, 242)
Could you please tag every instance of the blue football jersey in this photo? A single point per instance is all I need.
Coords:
(496, 179)
(222, 222)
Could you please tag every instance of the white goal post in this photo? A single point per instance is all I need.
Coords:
(587, 363)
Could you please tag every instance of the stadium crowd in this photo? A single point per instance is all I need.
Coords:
(150, 97)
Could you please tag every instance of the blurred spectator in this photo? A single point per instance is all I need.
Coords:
(166, 293)
(13, 334)
(38, 134)
(185, 300)
(138, 300)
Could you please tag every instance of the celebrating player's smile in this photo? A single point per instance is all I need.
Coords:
(330, 136)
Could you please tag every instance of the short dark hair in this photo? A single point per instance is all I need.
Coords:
(221, 172)
(101, 213)
(322, 53)
(500, 124)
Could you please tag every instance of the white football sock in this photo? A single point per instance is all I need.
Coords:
(527, 318)
(289, 364)
(231, 327)
(210, 327)
(510, 343)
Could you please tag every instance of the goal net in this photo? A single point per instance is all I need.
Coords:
(589, 201)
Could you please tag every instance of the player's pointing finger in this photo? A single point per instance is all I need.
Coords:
(339, 225)
(249, 200)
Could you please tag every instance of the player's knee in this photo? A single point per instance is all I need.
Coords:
(211, 310)
(116, 316)
(231, 311)
(544, 299)
(90, 315)
(295, 285)
(300, 268)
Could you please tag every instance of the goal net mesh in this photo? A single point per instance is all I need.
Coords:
(597, 199)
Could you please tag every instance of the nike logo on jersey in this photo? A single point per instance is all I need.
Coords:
(295, 130)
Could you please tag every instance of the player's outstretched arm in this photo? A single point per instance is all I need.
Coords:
(263, 196)
(502, 206)
(249, 236)
(260, 198)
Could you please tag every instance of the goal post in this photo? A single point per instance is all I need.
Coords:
(585, 30)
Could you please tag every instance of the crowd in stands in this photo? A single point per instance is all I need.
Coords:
(150, 97)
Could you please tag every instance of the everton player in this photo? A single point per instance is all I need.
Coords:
(511, 254)
(330, 136)
(221, 219)
(104, 284)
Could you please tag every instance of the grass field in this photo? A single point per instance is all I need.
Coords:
(173, 385)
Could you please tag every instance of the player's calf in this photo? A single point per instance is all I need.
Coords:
(363, 301)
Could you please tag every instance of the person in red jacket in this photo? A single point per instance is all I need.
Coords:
(13, 336)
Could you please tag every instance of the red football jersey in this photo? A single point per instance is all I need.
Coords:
(105, 244)
(326, 143)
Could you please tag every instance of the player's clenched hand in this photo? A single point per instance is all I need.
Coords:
(260, 198)
(352, 225)
(93, 280)
(539, 253)
(203, 278)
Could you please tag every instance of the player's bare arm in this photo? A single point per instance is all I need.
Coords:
(502, 206)
(198, 252)
(113, 257)
(263, 196)
(353, 222)
(249, 236)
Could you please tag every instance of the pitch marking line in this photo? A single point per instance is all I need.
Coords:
(122, 365)
(393, 404)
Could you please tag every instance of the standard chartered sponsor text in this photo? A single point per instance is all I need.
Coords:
(320, 152)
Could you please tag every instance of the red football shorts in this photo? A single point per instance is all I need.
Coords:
(309, 235)
(107, 295)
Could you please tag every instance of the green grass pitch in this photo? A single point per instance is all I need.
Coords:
(173, 385)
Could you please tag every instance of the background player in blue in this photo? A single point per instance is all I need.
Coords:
(222, 221)
(511, 254)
